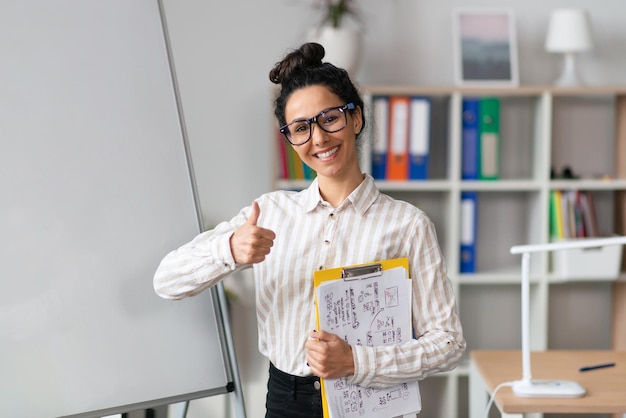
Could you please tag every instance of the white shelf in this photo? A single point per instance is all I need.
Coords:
(502, 185)
(541, 126)
(588, 184)
(415, 186)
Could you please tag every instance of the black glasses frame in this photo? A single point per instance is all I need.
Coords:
(285, 129)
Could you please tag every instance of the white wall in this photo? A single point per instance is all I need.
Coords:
(224, 50)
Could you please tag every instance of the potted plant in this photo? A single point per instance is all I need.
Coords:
(339, 33)
(335, 11)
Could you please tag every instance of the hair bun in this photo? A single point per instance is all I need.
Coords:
(308, 55)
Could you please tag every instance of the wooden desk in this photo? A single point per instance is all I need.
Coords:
(606, 388)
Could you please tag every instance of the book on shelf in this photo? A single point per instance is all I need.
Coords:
(480, 138)
(283, 157)
(419, 138)
(469, 138)
(469, 221)
(556, 215)
(620, 164)
(401, 141)
(309, 173)
(398, 151)
(291, 167)
(296, 164)
(590, 220)
(380, 106)
(572, 215)
(489, 139)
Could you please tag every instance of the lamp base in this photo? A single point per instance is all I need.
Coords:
(569, 74)
(548, 389)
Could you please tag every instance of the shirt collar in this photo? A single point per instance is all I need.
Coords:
(361, 198)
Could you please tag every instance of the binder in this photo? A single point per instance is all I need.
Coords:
(469, 221)
(489, 139)
(565, 215)
(556, 215)
(419, 137)
(620, 165)
(291, 166)
(309, 173)
(620, 143)
(469, 138)
(381, 132)
(289, 156)
(295, 164)
(282, 153)
(349, 301)
(298, 165)
(578, 215)
(398, 153)
(589, 215)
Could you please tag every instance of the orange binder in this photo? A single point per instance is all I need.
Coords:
(398, 149)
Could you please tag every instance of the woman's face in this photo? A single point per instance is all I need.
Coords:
(329, 154)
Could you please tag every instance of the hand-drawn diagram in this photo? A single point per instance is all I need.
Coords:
(370, 312)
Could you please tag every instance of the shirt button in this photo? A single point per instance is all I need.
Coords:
(317, 385)
(326, 242)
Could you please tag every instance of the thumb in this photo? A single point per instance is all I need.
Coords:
(254, 216)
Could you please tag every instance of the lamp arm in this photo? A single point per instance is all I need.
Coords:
(566, 245)
(526, 373)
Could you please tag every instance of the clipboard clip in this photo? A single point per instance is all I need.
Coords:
(362, 272)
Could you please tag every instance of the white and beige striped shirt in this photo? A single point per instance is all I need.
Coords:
(312, 235)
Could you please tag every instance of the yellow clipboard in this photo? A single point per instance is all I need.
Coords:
(352, 272)
(358, 271)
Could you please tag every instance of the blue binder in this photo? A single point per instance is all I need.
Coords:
(468, 232)
(470, 135)
(419, 138)
(381, 133)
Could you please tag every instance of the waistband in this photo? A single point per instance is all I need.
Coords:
(293, 381)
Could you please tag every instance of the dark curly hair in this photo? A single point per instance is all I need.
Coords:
(303, 68)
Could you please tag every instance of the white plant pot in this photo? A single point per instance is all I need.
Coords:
(342, 45)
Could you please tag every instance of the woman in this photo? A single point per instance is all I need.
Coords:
(341, 219)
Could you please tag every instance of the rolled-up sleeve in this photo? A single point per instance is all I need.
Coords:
(438, 344)
(198, 264)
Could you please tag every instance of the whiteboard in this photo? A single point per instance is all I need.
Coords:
(95, 189)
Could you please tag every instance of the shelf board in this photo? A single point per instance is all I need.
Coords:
(414, 185)
(478, 185)
(559, 279)
(588, 184)
(383, 185)
(511, 275)
(528, 90)
(500, 185)
(292, 184)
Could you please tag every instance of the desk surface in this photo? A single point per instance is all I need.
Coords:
(606, 388)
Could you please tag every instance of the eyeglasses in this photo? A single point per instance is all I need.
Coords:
(330, 120)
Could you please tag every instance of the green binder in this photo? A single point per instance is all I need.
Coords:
(489, 143)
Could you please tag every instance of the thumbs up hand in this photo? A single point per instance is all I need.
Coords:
(250, 243)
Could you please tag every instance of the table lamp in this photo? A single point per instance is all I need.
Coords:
(547, 388)
(569, 33)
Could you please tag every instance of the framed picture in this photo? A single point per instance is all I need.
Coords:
(485, 48)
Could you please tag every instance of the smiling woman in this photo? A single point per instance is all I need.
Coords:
(340, 219)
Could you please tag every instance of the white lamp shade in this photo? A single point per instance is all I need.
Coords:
(569, 31)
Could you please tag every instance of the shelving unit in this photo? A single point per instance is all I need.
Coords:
(540, 127)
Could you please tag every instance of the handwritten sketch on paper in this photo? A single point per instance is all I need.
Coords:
(368, 312)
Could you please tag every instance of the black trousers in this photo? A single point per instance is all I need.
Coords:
(291, 396)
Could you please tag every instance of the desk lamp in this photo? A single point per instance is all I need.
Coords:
(527, 387)
(569, 33)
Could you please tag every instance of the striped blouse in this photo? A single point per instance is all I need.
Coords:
(312, 235)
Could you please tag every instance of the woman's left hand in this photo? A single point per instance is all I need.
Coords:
(329, 356)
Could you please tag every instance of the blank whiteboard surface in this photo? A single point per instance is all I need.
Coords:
(95, 190)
